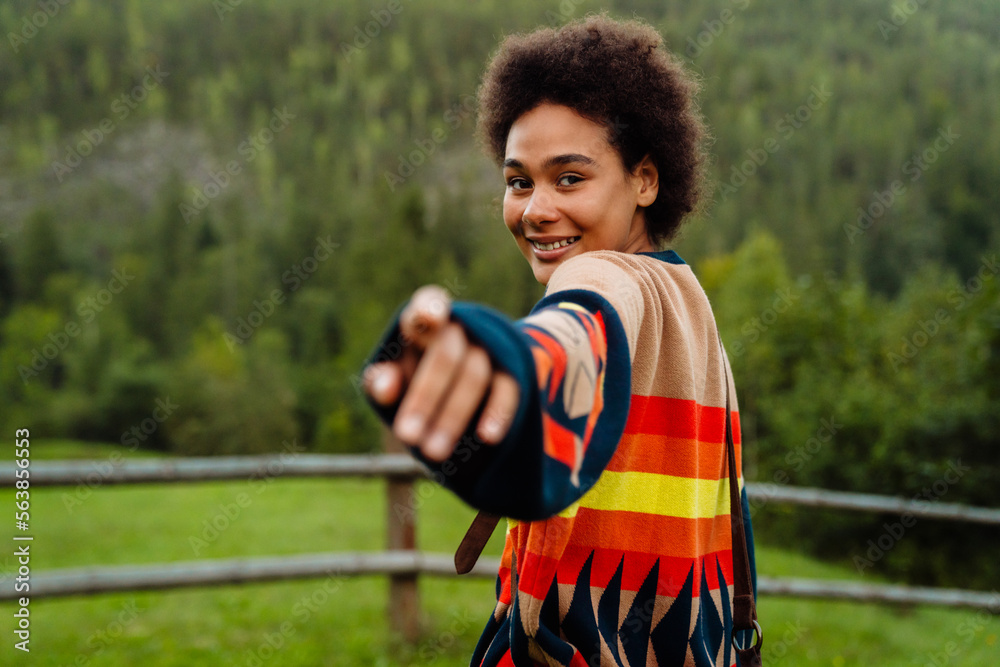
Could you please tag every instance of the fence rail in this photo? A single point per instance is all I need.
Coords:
(227, 571)
(401, 561)
(886, 593)
(336, 566)
(210, 468)
(202, 469)
(868, 502)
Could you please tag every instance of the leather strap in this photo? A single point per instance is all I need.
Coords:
(744, 608)
(475, 541)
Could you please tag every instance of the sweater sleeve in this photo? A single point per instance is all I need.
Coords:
(571, 359)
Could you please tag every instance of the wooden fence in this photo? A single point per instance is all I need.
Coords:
(401, 561)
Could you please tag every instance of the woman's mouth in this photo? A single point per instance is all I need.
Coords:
(547, 248)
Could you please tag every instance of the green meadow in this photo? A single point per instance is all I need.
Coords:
(342, 621)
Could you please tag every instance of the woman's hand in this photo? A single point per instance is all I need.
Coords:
(442, 378)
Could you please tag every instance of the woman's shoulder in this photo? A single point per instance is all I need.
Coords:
(609, 270)
(637, 284)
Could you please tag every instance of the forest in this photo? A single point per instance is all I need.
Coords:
(210, 211)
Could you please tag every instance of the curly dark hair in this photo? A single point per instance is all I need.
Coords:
(620, 75)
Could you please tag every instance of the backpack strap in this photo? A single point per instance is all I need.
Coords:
(475, 541)
(744, 607)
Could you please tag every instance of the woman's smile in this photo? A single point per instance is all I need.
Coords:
(549, 248)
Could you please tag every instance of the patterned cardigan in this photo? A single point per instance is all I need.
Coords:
(618, 546)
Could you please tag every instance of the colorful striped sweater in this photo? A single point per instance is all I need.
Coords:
(618, 549)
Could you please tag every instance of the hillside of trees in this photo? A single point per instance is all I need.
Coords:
(216, 207)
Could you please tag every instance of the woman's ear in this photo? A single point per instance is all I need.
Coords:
(648, 181)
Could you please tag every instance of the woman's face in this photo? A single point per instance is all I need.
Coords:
(568, 191)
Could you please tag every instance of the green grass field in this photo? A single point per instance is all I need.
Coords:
(343, 622)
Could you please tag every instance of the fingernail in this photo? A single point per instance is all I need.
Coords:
(381, 384)
(491, 429)
(410, 428)
(437, 446)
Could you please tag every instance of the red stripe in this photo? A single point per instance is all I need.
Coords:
(672, 573)
(542, 570)
(506, 660)
(679, 418)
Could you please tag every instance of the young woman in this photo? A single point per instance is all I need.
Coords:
(597, 423)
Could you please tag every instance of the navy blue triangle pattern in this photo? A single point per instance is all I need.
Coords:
(579, 626)
(670, 636)
(608, 609)
(727, 614)
(639, 620)
(588, 630)
(548, 623)
(707, 636)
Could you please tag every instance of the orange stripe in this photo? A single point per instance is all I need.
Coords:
(667, 455)
(560, 442)
(543, 365)
(557, 353)
(673, 456)
(650, 533)
(505, 563)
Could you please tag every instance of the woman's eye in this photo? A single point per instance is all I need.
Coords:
(569, 179)
(518, 184)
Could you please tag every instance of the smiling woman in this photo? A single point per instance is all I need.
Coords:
(568, 191)
(599, 423)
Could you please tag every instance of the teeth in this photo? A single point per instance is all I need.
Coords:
(557, 244)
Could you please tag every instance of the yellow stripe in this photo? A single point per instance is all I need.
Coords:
(570, 511)
(569, 305)
(652, 493)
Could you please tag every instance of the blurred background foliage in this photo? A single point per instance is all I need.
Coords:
(223, 203)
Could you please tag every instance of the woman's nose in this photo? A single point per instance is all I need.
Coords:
(540, 209)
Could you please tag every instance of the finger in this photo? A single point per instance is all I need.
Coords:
(465, 395)
(386, 381)
(434, 373)
(501, 407)
(427, 313)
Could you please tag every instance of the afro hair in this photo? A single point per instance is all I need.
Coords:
(617, 74)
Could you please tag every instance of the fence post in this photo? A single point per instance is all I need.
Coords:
(401, 515)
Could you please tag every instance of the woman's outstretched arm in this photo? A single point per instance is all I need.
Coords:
(518, 418)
